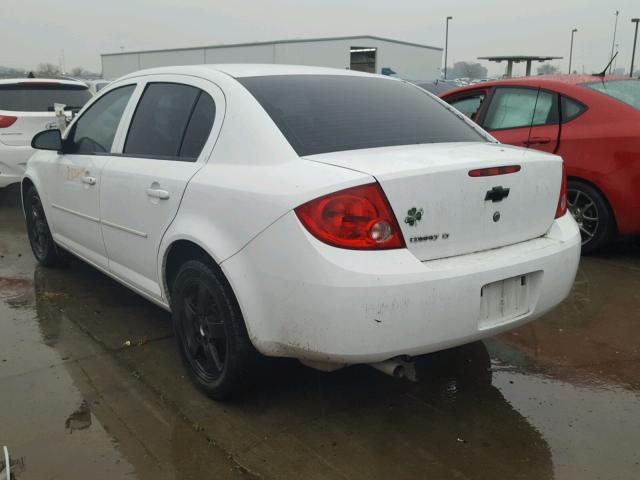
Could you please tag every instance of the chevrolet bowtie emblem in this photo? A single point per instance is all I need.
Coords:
(497, 194)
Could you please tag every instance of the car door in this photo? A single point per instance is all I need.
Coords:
(522, 116)
(72, 183)
(170, 136)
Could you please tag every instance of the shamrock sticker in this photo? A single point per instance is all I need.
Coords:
(414, 215)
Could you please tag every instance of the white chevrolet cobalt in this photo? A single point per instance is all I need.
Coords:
(330, 216)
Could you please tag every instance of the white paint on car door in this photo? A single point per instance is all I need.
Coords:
(140, 194)
(73, 177)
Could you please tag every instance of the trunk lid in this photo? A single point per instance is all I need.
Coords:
(443, 211)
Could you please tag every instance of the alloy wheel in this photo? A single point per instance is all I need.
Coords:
(585, 212)
(203, 331)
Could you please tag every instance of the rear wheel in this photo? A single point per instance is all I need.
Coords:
(210, 331)
(592, 213)
(45, 250)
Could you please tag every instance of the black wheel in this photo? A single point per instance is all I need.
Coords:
(210, 331)
(592, 213)
(45, 250)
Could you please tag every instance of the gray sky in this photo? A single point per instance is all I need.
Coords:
(35, 31)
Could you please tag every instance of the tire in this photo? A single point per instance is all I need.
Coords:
(44, 249)
(593, 215)
(210, 332)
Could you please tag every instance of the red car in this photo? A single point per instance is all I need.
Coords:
(592, 122)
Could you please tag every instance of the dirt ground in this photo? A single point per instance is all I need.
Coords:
(91, 387)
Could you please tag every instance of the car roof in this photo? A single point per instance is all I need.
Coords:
(549, 81)
(40, 81)
(239, 70)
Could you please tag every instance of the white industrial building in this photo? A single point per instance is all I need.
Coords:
(410, 61)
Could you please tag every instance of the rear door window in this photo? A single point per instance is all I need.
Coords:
(95, 130)
(40, 97)
(329, 113)
(520, 107)
(468, 105)
(171, 121)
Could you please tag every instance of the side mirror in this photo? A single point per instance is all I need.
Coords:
(47, 140)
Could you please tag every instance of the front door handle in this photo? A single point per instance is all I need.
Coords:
(537, 140)
(157, 193)
(89, 180)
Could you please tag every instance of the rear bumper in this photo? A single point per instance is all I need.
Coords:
(13, 163)
(304, 299)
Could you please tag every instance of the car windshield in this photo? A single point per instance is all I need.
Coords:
(40, 97)
(330, 113)
(627, 91)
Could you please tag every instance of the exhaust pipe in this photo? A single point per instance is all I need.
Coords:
(398, 367)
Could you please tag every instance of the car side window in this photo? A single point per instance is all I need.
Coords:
(469, 105)
(199, 127)
(95, 130)
(172, 121)
(570, 109)
(520, 107)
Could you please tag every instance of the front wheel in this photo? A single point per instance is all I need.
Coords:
(211, 334)
(45, 250)
(592, 213)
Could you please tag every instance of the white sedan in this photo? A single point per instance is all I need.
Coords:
(331, 216)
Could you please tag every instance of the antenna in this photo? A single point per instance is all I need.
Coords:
(604, 72)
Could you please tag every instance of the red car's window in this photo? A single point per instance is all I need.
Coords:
(626, 91)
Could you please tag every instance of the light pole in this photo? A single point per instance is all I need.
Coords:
(571, 49)
(635, 39)
(446, 46)
(613, 44)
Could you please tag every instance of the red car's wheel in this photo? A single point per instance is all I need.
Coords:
(592, 213)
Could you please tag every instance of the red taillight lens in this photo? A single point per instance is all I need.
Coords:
(7, 121)
(562, 201)
(359, 218)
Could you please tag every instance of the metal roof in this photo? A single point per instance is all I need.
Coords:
(273, 42)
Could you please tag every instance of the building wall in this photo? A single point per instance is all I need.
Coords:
(408, 61)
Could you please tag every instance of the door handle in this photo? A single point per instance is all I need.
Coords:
(157, 193)
(537, 140)
(89, 180)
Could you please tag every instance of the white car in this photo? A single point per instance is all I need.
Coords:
(327, 215)
(26, 107)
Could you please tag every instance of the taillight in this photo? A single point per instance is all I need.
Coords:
(562, 201)
(7, 121)
(358, 218)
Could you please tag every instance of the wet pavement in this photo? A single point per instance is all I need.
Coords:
(91, 386)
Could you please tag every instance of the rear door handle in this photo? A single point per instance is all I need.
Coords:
(89, 180)
(157, 193)
(537, 140)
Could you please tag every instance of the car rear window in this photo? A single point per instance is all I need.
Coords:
(330, 113)
(626, 91)
(35, 97)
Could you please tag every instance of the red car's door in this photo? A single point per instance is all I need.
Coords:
(525, 117)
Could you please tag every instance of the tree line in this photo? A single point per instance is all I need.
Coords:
(48, 69)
